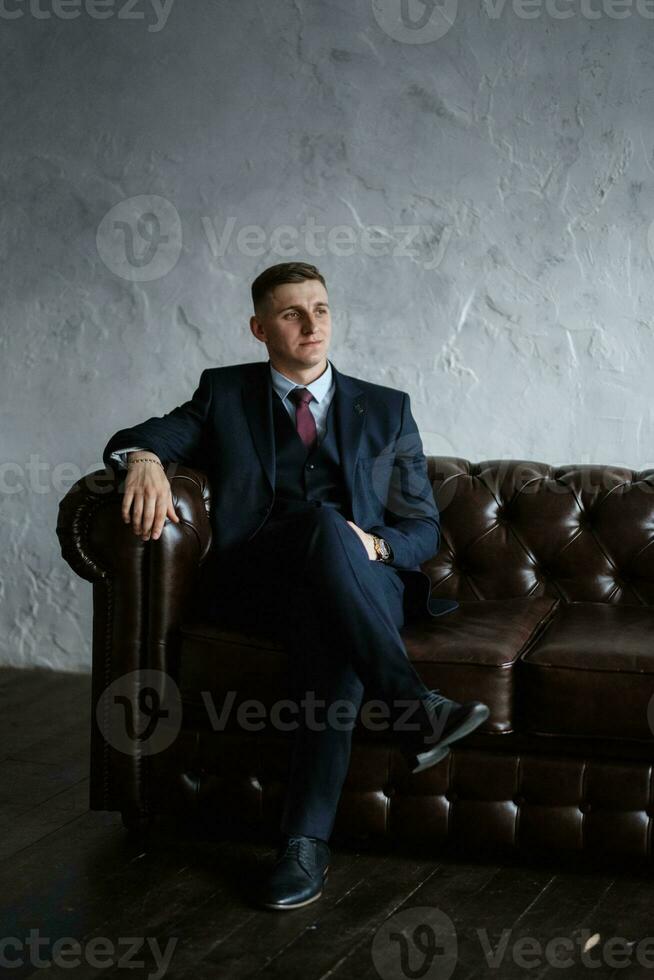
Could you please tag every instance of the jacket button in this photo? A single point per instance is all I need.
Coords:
(311, 466)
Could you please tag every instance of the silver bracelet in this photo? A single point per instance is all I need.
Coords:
(142, 459)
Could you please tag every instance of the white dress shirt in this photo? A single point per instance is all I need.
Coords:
(322, 390)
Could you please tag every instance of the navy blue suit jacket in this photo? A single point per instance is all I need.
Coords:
(226, 430)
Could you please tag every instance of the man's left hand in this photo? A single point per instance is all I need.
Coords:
(367, 541)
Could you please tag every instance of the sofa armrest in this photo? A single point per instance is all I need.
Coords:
(157, 577)
(142, 592)
(100, 492)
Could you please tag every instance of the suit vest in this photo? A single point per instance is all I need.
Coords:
(306, 479)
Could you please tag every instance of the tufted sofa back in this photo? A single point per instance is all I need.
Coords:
(584, 533)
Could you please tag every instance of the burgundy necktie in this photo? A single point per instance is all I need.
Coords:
(304, 420)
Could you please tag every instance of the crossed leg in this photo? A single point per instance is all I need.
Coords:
(340, 614)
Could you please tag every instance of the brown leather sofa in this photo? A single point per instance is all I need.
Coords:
(553, 568)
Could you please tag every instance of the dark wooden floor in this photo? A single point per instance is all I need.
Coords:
(67, 872)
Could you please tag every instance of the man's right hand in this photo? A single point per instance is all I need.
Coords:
(147, 496)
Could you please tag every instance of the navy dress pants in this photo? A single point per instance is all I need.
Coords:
(339, 613)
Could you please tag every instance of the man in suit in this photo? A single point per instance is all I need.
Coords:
(322, 513)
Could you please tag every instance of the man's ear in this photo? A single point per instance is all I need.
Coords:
(256, 328)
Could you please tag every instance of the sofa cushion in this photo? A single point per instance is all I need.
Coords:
(591, 673)
(471, 653)
(468, 653)
(221, 659)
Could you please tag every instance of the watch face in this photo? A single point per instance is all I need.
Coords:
(383, 547)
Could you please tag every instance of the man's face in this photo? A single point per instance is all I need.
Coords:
(295, 325)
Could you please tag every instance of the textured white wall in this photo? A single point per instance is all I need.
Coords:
(512, 149)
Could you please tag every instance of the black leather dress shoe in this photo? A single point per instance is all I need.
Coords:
(298, 875)
(443, 721)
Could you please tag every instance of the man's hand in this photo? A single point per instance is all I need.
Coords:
(148, 494)
(367, 541)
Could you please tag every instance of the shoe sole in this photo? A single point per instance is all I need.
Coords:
(423, 760)
(297, 905)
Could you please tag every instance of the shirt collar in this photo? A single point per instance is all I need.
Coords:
(318, 388)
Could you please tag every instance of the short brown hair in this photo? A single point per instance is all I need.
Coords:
(278, 274)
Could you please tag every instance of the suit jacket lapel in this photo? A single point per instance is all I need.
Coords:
(256, 391)
(349, 414)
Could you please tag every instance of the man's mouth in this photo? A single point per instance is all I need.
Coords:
(310, 343)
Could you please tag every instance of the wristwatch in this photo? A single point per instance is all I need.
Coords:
(383, 550)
